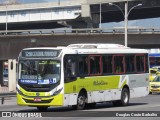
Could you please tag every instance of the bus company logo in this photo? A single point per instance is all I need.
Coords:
(99, 82)
(6, 114)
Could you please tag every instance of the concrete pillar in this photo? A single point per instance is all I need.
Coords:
(12, 75)
(1, 73)
(86, 11)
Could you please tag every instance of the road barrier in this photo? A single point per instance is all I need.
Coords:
(6, 95)
(69, 31)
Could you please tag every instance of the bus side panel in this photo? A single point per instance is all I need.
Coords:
(99, 88)
(70, 99)
(139, 85)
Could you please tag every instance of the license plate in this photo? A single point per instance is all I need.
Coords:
(37, 99)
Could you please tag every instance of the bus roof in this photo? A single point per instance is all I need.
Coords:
(97, 45)
(92, 49)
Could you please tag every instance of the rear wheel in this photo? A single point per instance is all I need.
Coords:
(124, 98)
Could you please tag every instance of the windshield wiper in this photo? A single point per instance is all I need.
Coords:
(28, 66)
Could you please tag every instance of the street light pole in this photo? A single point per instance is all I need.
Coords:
(6, 19)
(58, 2)
(100, 16)
(125, 15)
(126, 23)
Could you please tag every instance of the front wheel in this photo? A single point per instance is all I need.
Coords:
(81, 102)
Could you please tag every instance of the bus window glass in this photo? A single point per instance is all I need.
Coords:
(94, 65)
(119, 64)
(28, 69)
(49, 70)
(70, 66)
(130, 63)
(140, 63)
(83, 65)
(107, 64)
(40, 70)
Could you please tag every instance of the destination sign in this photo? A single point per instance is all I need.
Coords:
(40, 53)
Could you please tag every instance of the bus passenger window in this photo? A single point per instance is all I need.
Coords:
(70, 66)
(107, 64)
(94, 65)
(119, 64)
(83, 65)
(129, 63)
(140, 63)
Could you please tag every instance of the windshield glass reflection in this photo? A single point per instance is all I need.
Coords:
(40, 70)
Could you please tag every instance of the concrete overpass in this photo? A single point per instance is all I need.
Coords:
(11, 45)
(77, 14)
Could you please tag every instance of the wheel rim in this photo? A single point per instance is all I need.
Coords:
(125, 97)
(81, 101)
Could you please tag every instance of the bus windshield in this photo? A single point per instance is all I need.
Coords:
(41, 72)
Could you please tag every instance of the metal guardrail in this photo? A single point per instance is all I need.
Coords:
(6, 95)
(118, 30)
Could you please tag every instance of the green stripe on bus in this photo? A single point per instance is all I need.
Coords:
(92, 84)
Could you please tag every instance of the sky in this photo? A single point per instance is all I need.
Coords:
(154, 22)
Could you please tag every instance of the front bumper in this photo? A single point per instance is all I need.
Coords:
(155, 90)
(56, 100)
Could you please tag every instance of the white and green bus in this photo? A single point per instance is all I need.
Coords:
(81, 75)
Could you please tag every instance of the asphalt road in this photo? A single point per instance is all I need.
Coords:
(149, 106)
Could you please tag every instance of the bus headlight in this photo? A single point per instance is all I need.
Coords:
(57, 92)
(18, 91)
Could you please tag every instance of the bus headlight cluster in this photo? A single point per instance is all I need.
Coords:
(57, 91)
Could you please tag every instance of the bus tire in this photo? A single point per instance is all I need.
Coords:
(150, 92)
(81, 101)
(124, 98)
(42, 109)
